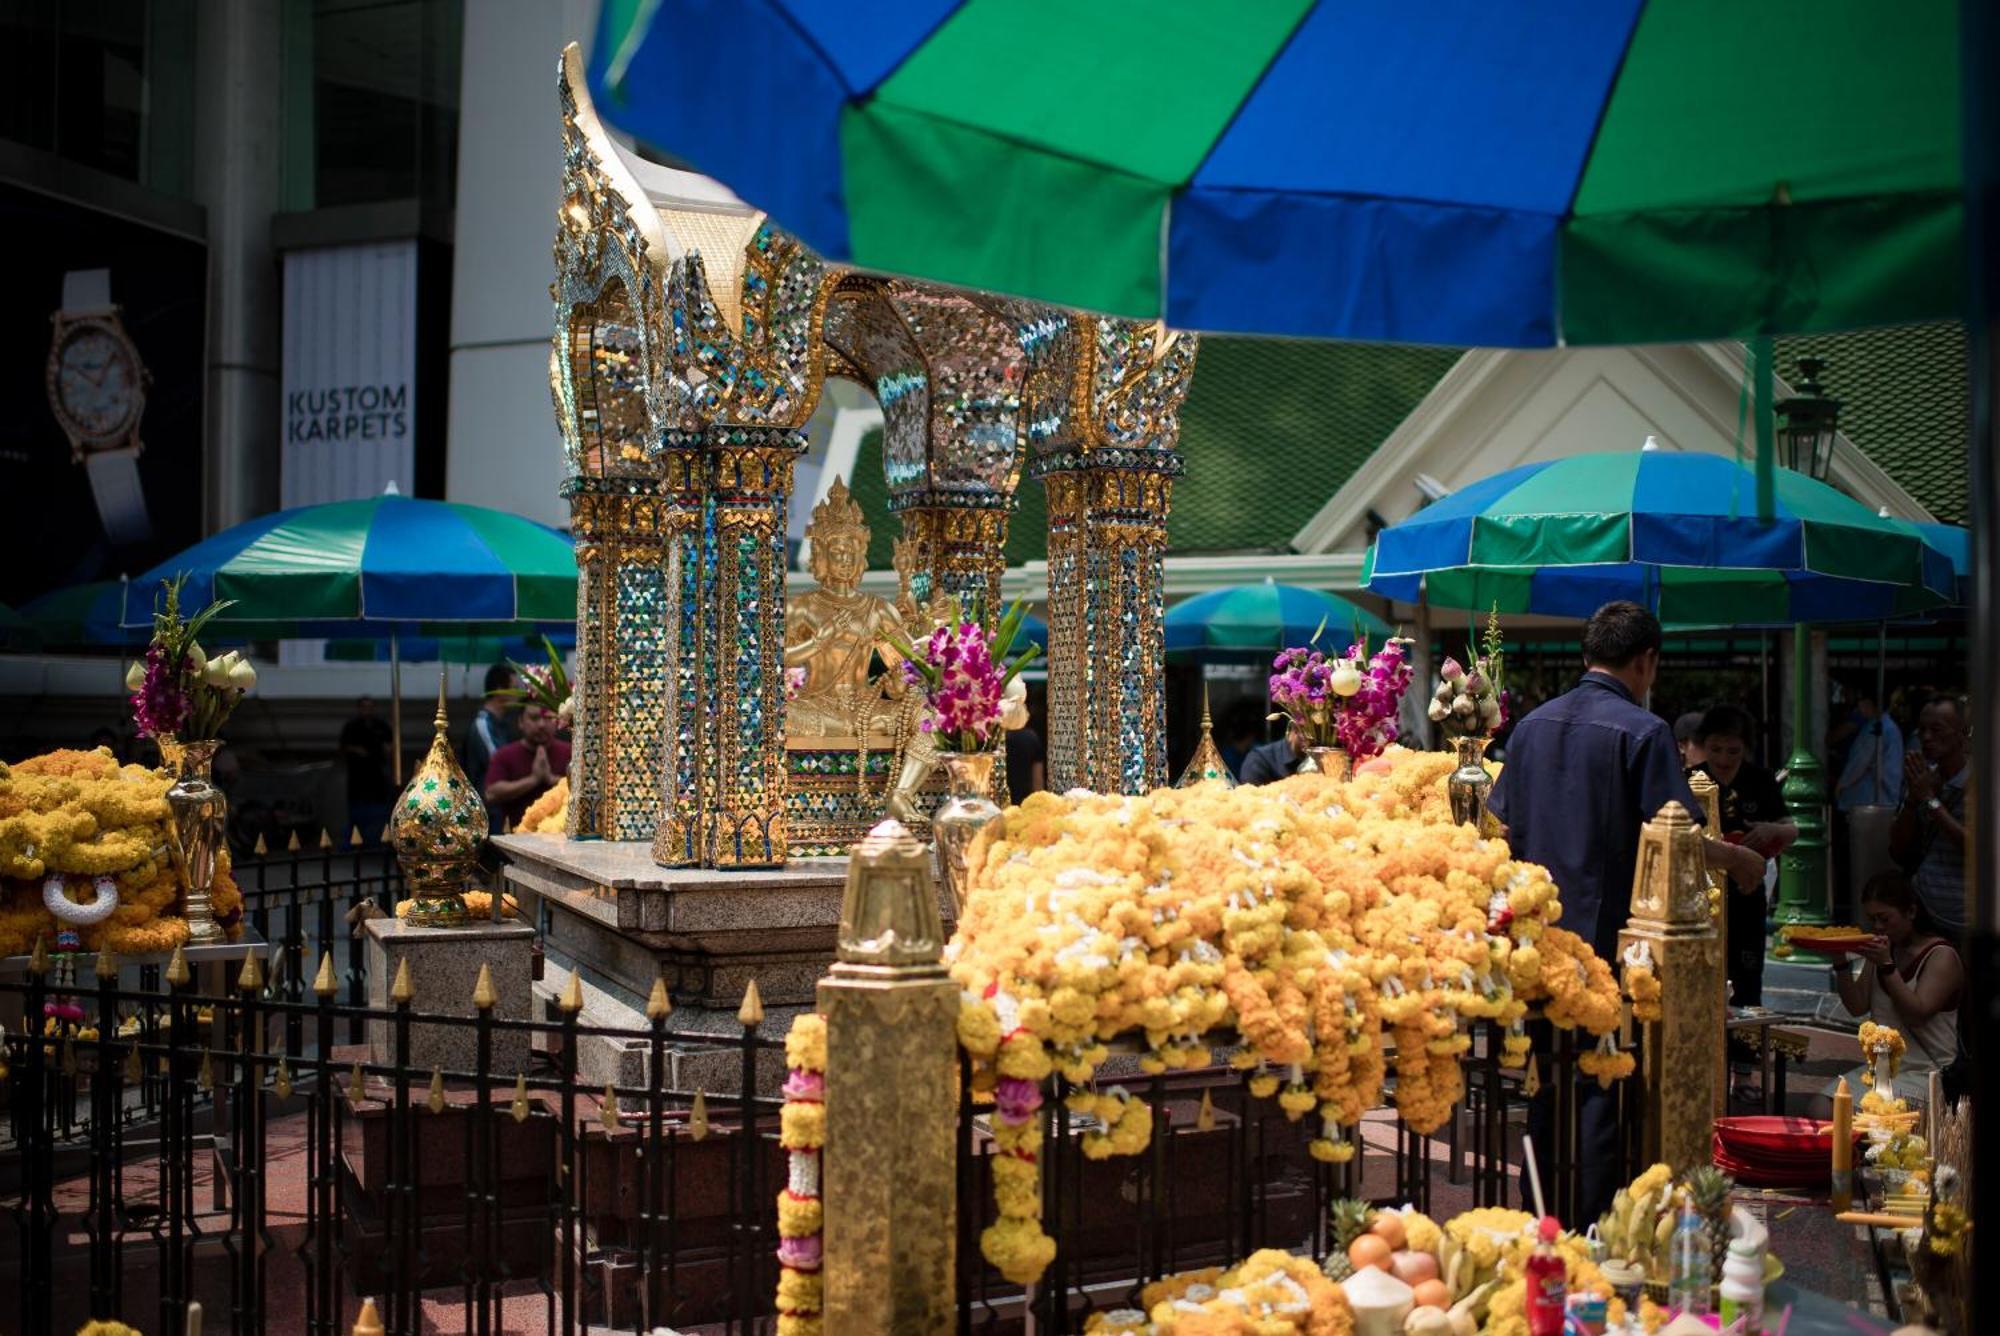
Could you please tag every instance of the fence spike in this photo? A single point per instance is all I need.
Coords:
(402, 990)
(1204, 1119)
(193, 1319)
(385, 833)
(608, 1115)
(1531, 1084)
(252, 976)
(698, 1120)
(38, 962)
(520, 1108)
(177, 968)
(132, 1071)
(751, 1013)
(370, 1321)
(323, 982)
(484, 995)
(572, 994)
(436, 1102)
(325, 838)
(659, 1006)
(107, 964)
(354, 836)
(356, 1089)
(262, 849)
(292, 845)
(207, 1080)
(282, 1083)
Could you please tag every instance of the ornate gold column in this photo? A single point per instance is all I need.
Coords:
(1107, 458)
(1672, 925)
(1709, 795)
(743, 583)
(961, 541)
(888, 1169)
(680, 796)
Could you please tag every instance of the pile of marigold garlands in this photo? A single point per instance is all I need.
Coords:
(1329, 928)
(82, 816)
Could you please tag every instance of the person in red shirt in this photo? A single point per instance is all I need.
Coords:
(528, 767)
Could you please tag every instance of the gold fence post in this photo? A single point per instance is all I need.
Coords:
(889, 1167)
(1709, 794)
(1673, 924)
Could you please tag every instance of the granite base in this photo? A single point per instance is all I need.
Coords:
(444, 968)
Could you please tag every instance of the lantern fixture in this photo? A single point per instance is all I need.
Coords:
(1811, 421)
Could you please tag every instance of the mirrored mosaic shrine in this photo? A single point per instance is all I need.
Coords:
(691, 345)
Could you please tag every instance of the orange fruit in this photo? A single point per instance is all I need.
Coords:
(1369, 1250)
(1431, 1294)
(1389, 1225)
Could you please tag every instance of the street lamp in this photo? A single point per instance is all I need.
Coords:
(1810, 421)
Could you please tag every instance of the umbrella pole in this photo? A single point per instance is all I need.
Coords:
(396, 710)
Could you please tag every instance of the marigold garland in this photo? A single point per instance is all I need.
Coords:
(801, 1214)
(1270, 1293)
(1642, 985)
(83, 815)
(1317, 918)
(548, 814)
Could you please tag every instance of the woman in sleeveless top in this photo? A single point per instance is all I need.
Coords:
(1910, 978)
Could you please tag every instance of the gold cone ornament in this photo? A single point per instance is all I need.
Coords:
(437, 828)
(1206, 764)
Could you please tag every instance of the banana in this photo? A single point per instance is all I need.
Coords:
(1663, 1233)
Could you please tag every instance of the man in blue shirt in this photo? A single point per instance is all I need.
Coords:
(1583, 773)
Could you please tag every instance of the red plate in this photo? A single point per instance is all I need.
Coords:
(1762, 1137)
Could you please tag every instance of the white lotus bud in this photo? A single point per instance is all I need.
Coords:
(1465, 707)
(135, 676)
(216, 672)
(241, 675)
(196, 659)
(1345, 681)
(1489, 712)
(1439, 711)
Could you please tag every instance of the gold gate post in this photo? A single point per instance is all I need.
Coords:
(888, 1166)
(1709, 794)
(1672, 921)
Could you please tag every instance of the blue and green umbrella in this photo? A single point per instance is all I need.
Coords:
(1458, 173)
(1674, 532)
(1268, 616)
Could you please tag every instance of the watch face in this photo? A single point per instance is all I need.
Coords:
(95, 382)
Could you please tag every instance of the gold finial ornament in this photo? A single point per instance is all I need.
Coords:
(436, 1101)
(177, 967)
(698, 1120)
(107, 964)
(370, 1321)
(484, 995)
(608, 1113)
(571, 1000)
(1204, 1119)
(282, 1083)
(324, 983)
(38, 960)
(325, 838)
(354, 836)
(1206, 764)
(659, 1006)
(751, 1013)
(251, 976)
(292, 845)
(402, 989)
(437, 827)
(261, 849)
(357, 1086)
(519, 1110)
(889, 911)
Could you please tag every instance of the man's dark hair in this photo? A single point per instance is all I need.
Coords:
(1687, 728)
(499, 678)
(1618, 633)
(1727, 721)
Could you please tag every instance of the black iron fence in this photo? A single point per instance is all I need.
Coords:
(235, 1140)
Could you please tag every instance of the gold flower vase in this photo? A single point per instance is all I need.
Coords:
(1333, 762)
(196, 809)
(1469, 785)
(965, 812)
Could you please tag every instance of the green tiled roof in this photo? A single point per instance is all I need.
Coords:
(1903, 402)
(1270, 431)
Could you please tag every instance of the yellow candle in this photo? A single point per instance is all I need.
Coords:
(1843, 1146)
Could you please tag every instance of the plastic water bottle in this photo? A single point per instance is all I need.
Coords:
(1688, 1278)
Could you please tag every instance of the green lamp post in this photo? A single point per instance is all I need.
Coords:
(1811, 421)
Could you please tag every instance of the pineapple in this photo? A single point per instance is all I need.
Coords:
(1709, 1188)
(1350, 1220)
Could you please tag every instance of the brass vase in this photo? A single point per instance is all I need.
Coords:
(965, 812)
(1334, 762)
(1469, 785)
(196, 809)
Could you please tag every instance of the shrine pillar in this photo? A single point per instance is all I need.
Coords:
(1672, 929)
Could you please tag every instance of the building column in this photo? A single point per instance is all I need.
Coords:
(743, 582)
(238, 162)
(1107, 657)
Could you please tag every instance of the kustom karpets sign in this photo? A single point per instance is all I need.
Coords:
(349, 371)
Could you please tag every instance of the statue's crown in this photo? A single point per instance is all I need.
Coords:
(837, 515)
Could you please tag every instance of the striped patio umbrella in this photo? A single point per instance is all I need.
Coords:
(83, 616)
(1673, 531)
(381, 559)
(1266, 617)
(1459, 173)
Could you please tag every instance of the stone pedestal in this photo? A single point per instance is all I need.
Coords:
(619, 920)
(444, 966)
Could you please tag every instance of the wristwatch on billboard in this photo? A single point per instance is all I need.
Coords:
(97, 390)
